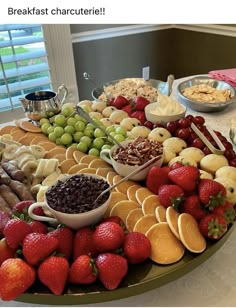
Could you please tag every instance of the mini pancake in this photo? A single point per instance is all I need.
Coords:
(98, 163)
(190, 234)
(60, 157)
(77, 155)
(122, 209)
(87, 159)
(39, 138)
(103, 171)
(6, 129)
(56, 151)
(142, 193)
(160, 213)
(48, 145)
(115, 198)
(172, 219)
(70, 151)
(145, 223)
(66, 165)
(165, 247)
(75, 168)
(29, 127)
(17, 134)
(87, 170)
(150, 204)
(110, 177)
(123, 187)
(26, 139)
(131, 192)
(132, 218)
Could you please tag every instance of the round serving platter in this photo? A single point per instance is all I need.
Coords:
(141, 278)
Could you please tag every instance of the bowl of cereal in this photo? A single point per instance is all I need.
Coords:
(70, 201)
(132, 155)
(206, 94)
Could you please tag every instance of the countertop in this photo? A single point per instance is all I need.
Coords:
(210, 284)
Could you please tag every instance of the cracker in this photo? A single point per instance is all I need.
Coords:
(87, 170)
(131, 192)
(66, 165)
(77, 155)
(132, 218)
(160, 213)
(145, 223)
(103, 172)
(99, 163)
(48, 145)
(142, 193)
(172, 219)
(124, 185)
(70, 152)
(110, 177)
(76, 168)
(56, 150)
(115, 198)
(87, 159)
(190, 234)
(150, 204)
(6, 129)
(165, 247)
(122, 209)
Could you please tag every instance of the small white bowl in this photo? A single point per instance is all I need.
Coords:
(125, 169)
(160, 118)
(74, 221)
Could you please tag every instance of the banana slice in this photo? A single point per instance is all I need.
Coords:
(29, 167)
(24, 158)
(50, 167)
(51, 179)
(41, 193)
(35, 189)
(8, 141)
(38, 151)
(10, 152)
(40, 169)
(23, 149)
(7, 136)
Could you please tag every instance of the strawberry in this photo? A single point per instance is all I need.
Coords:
(53, 273)
(140, 103)
(192, 205)
(16, 277)
(211, 193)
(5, 251)
(65, 238)
(15, 231)
(120, 102)
(112, 268)
(4, 218)
(38, 246)
(176, 165)
(128, 108)
(227, 211)
(140, 115)
(83, 242)
(39, 227)
(186, 177)
(108, 236)
(170, 195)
(156, 177)
(83, 270)
(22, 208)
(136, 247)
(115, 219)
(213, 226)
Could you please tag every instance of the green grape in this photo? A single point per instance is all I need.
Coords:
(90, 126)
(50, 129)
(43, 120)
(98, 143)
(121, 131)
(71, 121)
(98, 122)
(79, 126)
(45, 127)
(67, 111)
(106, 146)
(113, 135)
(77, 136)
(69, 129)
(98, 133)
(86, 140)
(52, 137)
(66, 139)
(59, 131)
(119, 137)
(88, 132)
(82, 147)
(79, 118)
(110, 129)
(94, 152)
(58, 141)
(60, 120)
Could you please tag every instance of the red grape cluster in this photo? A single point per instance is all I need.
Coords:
(182, 129)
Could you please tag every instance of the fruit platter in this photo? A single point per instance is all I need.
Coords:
(154, 229)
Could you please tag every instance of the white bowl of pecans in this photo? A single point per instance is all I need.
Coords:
(133, 154)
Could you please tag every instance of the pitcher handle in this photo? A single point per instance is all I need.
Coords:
(104, 156)
(38, 217)
(62, 88)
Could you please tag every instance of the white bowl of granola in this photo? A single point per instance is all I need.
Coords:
(133, 154)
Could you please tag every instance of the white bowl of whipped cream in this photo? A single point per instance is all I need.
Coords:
(166, 109)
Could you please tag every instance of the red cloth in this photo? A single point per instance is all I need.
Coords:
(228, 75)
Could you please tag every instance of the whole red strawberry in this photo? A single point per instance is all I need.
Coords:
(83, 270)
(22, 208)
(192, 205)
(156, 177)
(39, 227)
(53, 273)
(112, 268)
(108, 236)
(140, 103)
(186, 177)
(213, 226)
(38, 246)
(136, 247)
(65, 238)
(227, 211)
(211, 193)
(83, 242)
(16, 277)
(170, 195)
(15, 231)
(115, 219)
(140, 115)
(5, 251)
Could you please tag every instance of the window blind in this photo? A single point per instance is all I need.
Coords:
(23, 63)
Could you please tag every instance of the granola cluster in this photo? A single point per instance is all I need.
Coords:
(137, 152)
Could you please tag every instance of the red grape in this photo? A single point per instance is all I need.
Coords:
(206, 150)
(183, 133)
(228, 145)
(198, 120)
(198, 143)
(229, 154)
(232, 162)
(184, 123)
(190, 117)
(171, 126)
